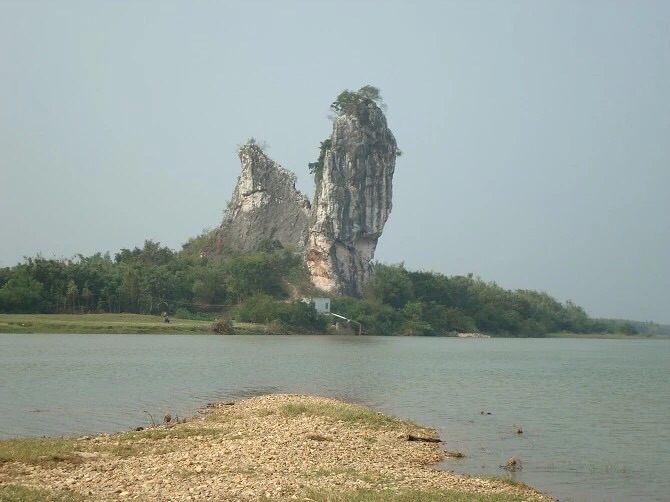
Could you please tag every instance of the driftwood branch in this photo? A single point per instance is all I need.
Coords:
(410, 437)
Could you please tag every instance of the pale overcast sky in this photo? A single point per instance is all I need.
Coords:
(536, 134)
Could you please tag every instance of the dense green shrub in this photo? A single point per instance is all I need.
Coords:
(296, 314)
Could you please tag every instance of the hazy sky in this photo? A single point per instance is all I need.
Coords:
(536, 134)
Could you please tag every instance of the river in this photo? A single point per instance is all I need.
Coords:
(594, 414)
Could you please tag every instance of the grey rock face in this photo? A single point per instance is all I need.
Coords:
(265, 206)
(353, 201)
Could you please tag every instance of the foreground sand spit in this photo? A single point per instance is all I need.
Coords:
(283, 447)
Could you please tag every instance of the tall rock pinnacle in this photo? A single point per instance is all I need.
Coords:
(338, 233)
(352, 200)
(265, 206)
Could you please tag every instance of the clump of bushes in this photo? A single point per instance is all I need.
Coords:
(222, 327)
(275, 328)
(298, 315)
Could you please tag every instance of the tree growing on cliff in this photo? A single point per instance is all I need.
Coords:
(317, 167)
(353, 102)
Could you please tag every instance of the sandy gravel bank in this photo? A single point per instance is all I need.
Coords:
(283, 447)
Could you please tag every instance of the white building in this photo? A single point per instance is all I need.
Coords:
(322, 305)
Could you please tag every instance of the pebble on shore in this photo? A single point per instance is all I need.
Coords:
(273, 446)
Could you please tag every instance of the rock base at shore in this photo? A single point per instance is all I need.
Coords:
(278, 447)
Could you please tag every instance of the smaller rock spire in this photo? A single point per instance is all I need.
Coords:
(265, 206)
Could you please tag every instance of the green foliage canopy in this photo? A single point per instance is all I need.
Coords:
(353, 102)
(258, 286)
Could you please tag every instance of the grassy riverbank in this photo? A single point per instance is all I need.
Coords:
(276, 447)
(108, 323)
(147, 324)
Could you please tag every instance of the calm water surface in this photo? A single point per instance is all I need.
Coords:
(595, 414)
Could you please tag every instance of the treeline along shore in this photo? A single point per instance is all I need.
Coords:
(268, 286)
(142, 324)
(273, 447)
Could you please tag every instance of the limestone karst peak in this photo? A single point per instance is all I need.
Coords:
(338, 232)
(353, 200)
